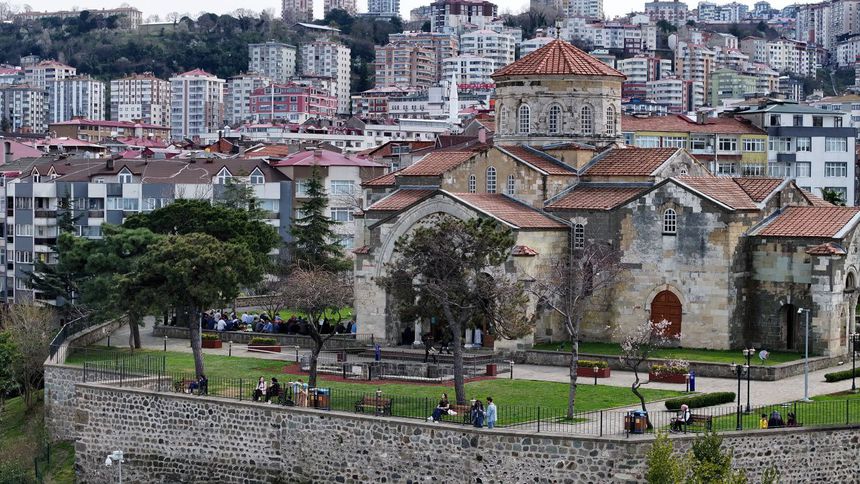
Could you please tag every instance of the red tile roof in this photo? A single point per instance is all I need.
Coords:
(400, 200)
(269, 151)
(363, 250)
(722, 189)
(387, 180)
(827, 248)
(325, 158)
(630, 161)
(195, 72)
(557, 58)
(523, 251)
(758, 188)
(437, 163)
(595, 198)
(538, 161)
(821, 222)
(509, 210)
(815, 200)
(683, 124)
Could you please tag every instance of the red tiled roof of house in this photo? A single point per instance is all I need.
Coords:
(815, 200)
(325, 158)
(363, 250)
(437, 163)
(511, 211)
(399, 200)
(195, 72)
(630, 161)
(269, 151)
(820, 222)
(538, 161)
(387, 180)
(557, 58)
(722, 189)
(827, 248)
(681, 123)
(523, 251)
(758, 188)
(490, 124)
(595, 198)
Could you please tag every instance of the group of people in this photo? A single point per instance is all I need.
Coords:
(477, 412)
(297, 392)
(263, 323)
(775, 420)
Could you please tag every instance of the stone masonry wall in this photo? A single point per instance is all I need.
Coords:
(60, 401)
(183, 438)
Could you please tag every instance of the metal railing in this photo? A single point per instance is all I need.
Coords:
(72, 327)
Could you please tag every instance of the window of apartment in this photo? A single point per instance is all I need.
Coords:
(804, 144)
(23, 202)
(817, 121)
(648, 141)
(670, 222)
(23, 257)
(802, 169)
(727, 144)
(341, 187)
(837, 122)
(272, 206)
(124, 176)
(302, 188)
(511, 187)
(586, 120)
(36, 176)
(98, 179)
(841, 191)
(774, 119)
(90, 230)
(554, 119)
(43, 231)
(257, 177)
(835, 144)
(798, 120)
(835, 168)
(726, 169)
(752, 170)
(223, 176)
(524, 119)
(674, 142)
(25, 230)
(491, 180)
(473, 184)
(21, 283)
(699, 143)
(578, 236)
(780, 144)
(341, 214)
(127, 204)
(753, 144)
(155, 203)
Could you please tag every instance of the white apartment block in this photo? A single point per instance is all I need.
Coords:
(237, 101)
(500, 48)
(789, 56)
(707, 12)
(849, 104)
(679, 95)
(196, 104)
(733, 12)
(756, 48)
(25, 108)
(432, 104)
(347, 5)
(641, 69)
(293, 11)
(444, 45)
(847, 52)
(694, 63)
(469, 69)
(456, 15)
(585, 8)
(73, 97)
(275, 60)
(609, 35)
(39, 75)
(329, 59)
(384, 8)
(674, 12)
(140, 98)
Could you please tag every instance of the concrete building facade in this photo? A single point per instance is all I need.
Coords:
(275, 60)
(140, 97)
(196, 104)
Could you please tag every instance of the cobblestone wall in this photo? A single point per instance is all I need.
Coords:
(182, 438)
(60, 401)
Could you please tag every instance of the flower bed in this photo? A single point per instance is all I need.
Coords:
(585, 368)
(264, 345)
(209, 340)
(672, 372)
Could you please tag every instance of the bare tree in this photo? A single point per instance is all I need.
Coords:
(315, 292)
(572, 284)
(173, 17)
(272, 291)
(31, 329)
(639, 345)
(8, 10)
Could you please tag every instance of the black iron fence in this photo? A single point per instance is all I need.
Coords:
(72, 327)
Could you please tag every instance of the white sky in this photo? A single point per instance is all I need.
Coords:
(162, 7)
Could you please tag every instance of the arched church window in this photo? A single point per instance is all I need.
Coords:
(578, 236)
(610, 121)
(491, 180)
(524, 119)
(670, 222)
(586, 120)
(512, 185)
(473, 184)
(554, 119)
(503, 120)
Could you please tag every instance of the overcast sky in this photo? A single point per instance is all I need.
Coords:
(162, 7)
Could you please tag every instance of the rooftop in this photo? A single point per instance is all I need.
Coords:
(510, 211)
(540, 161)
(629, 161)
(723, 190)
(437, 163)
(813, 222)
(325, 158)
(595, 197)
(400, 200)
(557, 58)
(681, 123)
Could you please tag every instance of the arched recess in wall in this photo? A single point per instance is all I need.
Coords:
(666, 305)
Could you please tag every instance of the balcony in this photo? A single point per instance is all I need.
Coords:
(42, 213)
(96, 213)
(786, 157)
(45, 240)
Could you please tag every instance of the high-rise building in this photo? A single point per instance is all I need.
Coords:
(679, 95)
(76, 97)
(585, 8)
(24, 108)
(326, 58)
(291, 102)
(454, 15)
(444, 45)
(501, 48)
(674, 12)
(404, 65)
(237, 102)
(140, 98)
(297, 11)
(40, 74)
(383, 8)
(639, 71)
(275, 60)
(196, 104)
(468, 69)
(347, 5)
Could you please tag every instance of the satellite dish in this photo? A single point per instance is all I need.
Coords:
(673, 41)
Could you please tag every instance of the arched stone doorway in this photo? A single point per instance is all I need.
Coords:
(666, 305)
(788, 316)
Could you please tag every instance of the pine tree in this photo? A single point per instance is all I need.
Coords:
(314, 240)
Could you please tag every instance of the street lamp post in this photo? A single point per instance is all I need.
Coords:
(115, 456)
(596, 369)
(748, 353)
(855, 340)
(806, 356)
(739, 370)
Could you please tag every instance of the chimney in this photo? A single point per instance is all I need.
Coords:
(482, 135)
(109, 164)
(701, 117)
(317, 153)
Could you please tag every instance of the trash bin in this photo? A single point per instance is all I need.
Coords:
(636, 422)
(692, 381)
(492, 369)
(322, 398)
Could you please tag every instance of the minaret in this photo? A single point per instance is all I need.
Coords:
(453, 102)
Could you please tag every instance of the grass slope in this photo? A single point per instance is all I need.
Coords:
(20, 434)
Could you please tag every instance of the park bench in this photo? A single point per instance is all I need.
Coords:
(463, 411)
(379, 405)
(181, 386)
(706, 420)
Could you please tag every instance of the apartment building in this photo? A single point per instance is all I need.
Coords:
(275, 60)
(631, 38)
(406, 65)
(293, 11)
(25, 108)
(383, 8)
(469, 70)
(346, 5)
(40, 74)
(694, 62)
(196, 104)
(674, 12)
(455, 15)
(291, 102)
(678, 95)
(727, 84)
(500, 48)
(140, 97)
(814, 146)
(79, 96)
(98, 131)
(443, 45)
(326, 58)
(585, 8)
(639, 71)
(237, 99)
(848, 103)
(96, 192)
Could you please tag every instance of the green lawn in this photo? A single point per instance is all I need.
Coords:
(224, 372)
(689, 354)
(20, 434)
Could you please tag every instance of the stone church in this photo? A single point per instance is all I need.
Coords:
(728, 261)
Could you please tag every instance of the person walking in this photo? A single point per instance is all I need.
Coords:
(491, 413)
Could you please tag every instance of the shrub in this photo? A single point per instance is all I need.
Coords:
(840, 375)
(592, 363)
(260, 341)
(673, 367)
(210, 336)
(664, 467)
(699, 401)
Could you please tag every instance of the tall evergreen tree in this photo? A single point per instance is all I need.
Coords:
(314, 239)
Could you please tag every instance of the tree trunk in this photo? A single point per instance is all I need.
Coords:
(574, 358)
(134, 331)
(312, 366)
(635, 388)
(194, 334)
(459, 380)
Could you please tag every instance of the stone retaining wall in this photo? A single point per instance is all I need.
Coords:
(60, 401)
(184, 438)
(715, 370)
(242, 337)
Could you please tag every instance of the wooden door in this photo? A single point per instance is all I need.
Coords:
(667, 306)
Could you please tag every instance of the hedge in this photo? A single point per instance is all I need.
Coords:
(592, 363)
(699, 401)
(259, 341)
(839, 375)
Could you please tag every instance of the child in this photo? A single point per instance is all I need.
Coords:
(762, 423)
